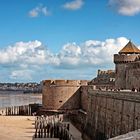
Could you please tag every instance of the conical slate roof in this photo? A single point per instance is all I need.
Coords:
(129, 49)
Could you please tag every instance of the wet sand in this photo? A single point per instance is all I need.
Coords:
(16, 127)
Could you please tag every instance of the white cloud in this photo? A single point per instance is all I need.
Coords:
(22, 57)
(39, 10)
(31, 52)
(73, 5)
(34, 12)
(126, 7)
(45, 11)
(90, 53)
(21, 74)
(27, 60)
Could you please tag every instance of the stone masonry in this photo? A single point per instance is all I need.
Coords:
(111, 114)
(128, 67)
(62, 94)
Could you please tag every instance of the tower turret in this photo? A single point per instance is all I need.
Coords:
(126, 55)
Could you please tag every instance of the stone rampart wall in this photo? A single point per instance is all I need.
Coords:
(111, 114)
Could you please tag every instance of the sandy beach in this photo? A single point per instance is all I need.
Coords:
(16, 127)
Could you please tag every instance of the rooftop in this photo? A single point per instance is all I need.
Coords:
(130, 48)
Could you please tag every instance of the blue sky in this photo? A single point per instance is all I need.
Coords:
(63, 39)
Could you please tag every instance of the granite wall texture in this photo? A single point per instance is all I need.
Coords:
(111, 114)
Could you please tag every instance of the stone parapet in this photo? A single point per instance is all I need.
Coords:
(120, 95)
(119, 58)
(83, 82)
(47, 82)
(64, 82)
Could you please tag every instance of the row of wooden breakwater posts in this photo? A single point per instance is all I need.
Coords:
(52, 127)
(25, 110)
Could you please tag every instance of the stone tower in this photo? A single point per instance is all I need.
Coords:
(123, 59)
(62, 94)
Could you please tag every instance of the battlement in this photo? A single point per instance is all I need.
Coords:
(64, 82)
(123, 58)
(103, 72)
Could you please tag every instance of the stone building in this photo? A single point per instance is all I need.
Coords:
(100, 114)
(105, 80)
(127, 67)
(126, 74)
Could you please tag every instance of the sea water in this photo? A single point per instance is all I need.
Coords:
(17, 98)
